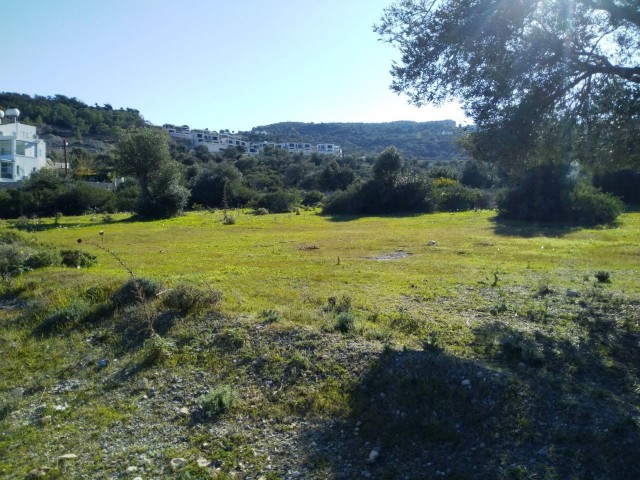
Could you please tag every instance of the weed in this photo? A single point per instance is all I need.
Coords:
(499, 306)
(186, 298)
(270, 316)
(603, 277)
(337, 307)
(229, 220)
(156, 351)
(137, 290)
(345, 322)
(7, 406)
(432, 343)
(218, 401)
(233, 338)
(64, 318)
(77, 258)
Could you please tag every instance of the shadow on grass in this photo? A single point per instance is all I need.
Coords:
(538, 408)
(513, 228)
(350, 218)
(34, 227)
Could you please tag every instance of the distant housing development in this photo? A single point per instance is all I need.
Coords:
(216, 142)
(21, 151)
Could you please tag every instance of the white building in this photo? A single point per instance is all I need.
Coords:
(217, 142)
(21, 151)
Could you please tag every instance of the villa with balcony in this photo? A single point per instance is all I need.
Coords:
(21, 151)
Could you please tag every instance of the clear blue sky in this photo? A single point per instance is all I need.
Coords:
(209, 63)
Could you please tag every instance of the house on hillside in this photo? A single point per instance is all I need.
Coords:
(21, 151)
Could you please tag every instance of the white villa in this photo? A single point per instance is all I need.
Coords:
(216, 142)
(21, 151)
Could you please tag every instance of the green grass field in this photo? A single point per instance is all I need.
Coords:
(429, 301)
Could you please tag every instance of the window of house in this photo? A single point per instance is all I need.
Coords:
(5, 147)
(6, 170)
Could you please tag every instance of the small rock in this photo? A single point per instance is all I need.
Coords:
(143, 384)
(61, 408)
(432, 243)
(178, 464)
(40, 472)
(184, 412)
(137, 478)
(103, 363)
(67, 456)
(466, 383)
(46, 420)
(203, 462)
(132, 469)
(373, 456)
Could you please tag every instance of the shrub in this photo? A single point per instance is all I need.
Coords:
(156, 351)
(78, 258)
(603, 277)
(344, 202)
(81, 197)
(345, 322)
(218, 401)
(64, 318)
(261, 211)
(137, 290)
(542, 195)
(270, 316)
(277, 202)
(341, 306)
(591, 207)
(187, 298)
(452, 196)
(16, 258)
(229, 220)
(313, 198)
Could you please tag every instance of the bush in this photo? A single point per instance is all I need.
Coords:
(345, 322)
(137, 290)
(81, 197)
(541, 196)
(218, 401)
(341, 306)
(591, 207)
(277, 202)
(313, 198)
(64, 318)
(261, 211)
(156, 351)
(186, 298)
(168, 201)
(78, 258)
(17, 258)
(453, 196)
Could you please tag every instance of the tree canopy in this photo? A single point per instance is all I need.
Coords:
(515, 64)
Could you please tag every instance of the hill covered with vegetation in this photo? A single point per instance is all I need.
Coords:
(417, 140)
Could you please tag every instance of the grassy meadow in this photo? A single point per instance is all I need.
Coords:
(459, 346)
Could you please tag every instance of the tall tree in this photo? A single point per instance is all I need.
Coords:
(144, 152)
(516, 63)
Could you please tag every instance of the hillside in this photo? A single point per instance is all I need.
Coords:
(418, 140)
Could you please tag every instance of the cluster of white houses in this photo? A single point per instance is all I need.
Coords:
(216, 142)
(21, 151)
